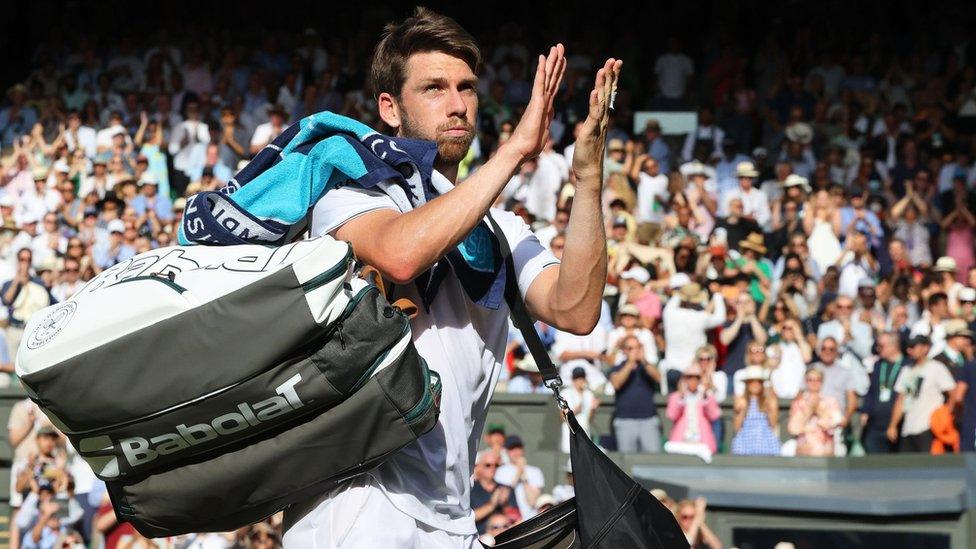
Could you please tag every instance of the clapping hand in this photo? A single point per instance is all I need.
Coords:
(588, 155)
(532, 131)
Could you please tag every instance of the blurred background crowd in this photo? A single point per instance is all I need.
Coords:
(805, 250)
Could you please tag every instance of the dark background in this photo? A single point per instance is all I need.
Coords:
(635, 31)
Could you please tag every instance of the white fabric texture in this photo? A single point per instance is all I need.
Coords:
(430, 479)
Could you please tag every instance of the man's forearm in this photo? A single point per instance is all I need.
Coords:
(410, 243)
(583, 272)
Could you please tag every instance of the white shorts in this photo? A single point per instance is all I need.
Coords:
(358, 514)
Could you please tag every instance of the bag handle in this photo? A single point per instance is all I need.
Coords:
(522, 320)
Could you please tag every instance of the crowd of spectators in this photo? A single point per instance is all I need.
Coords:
(805, 251)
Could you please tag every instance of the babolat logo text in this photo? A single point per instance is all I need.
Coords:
(139, 451)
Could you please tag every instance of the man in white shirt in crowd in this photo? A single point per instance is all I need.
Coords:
(558, 225)
(267, 132)
(687, 317)
(527, 480)
(424, 77)
(652, 193)
(755, 204)
(189, 140)
(921, 389)
(932, 322)
(673, 68)
(80, 136)
(851, 333)
(706, 132)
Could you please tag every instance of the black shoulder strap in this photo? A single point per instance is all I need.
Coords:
(520, 315)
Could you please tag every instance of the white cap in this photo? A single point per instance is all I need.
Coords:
(148, 178)
(639, 274)
(678, 280)
(28, 218)
(61, 166)
(116, 226)
(965, 294)
(7, 201)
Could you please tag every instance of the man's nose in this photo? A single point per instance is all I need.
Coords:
(456, 105)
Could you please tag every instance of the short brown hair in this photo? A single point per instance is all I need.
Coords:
(424, 31)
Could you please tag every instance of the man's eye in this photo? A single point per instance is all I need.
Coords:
(432, 87)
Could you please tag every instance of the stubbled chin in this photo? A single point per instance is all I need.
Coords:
(452, 150)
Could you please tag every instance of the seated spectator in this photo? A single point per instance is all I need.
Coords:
(922, 388)
(932, 320)
(526, 480)
(692, 409)
(527, 378)
(581, 401)
(814, 418)
(691, 518)
(487, 495)
(636, 425)
(756, 417)
(852, 335)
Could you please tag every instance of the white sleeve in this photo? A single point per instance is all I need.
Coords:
(531, 257)
(340, 205)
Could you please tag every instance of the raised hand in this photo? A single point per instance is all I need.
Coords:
(588, 155)
(532, 131)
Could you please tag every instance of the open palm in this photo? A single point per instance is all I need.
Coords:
(533, 129)
(588, 154)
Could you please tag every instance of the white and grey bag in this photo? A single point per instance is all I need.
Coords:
(213, 386)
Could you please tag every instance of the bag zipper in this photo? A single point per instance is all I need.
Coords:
(432, 389)
(328, 276)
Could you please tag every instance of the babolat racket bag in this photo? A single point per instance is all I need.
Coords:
(211, 387)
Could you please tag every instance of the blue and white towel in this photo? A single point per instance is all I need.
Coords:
(268, 202)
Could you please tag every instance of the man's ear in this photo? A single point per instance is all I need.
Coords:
(389, 110)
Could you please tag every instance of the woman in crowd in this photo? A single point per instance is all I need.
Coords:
(814, 418)
(692, 408)
(756, 417)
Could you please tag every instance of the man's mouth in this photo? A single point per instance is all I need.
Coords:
(457, 132)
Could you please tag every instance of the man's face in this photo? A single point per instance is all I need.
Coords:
(486, 468)
(745, 183)
(735, 208)
(828, 352)
(438, 102)
(844, 307)
(919, 352)
(46, 444)
(867, 296)
(561, 221)
(652, 167)
(495, 440)
(888, 347)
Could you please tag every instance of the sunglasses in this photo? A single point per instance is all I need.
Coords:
(705, 358)
(631, 348)
(489, 465)
(757, 349)
(829, 349)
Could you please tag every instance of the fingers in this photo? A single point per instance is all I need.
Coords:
(539, 84)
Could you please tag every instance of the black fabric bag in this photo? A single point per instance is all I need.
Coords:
(610, 509)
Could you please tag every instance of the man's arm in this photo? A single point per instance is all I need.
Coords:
(568, 295)
(402, 246)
